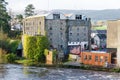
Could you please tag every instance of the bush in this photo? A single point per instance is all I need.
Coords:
(34, 46)
(39, 58)
(10, 58)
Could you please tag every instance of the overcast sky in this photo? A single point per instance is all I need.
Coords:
(19, 5)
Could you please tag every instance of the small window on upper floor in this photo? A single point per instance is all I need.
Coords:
(56, 16)
(70, 34)
(50, 28)
(39, 23)
(50, 39)
(60, 28)
(78, 17)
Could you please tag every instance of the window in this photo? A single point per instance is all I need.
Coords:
(70, 34)
(106, 58)
(61, 33)
(101, 58)
(39, 23)
(50, 39)
(96, 58)
(77, 29)
(61, 46)
(61, 23)
(50, 28)
(85, 57)
(56, 16)
(78, 39)
(50, 33)
(60, 28)
(78, 17)
(89, 57)
(77, 34)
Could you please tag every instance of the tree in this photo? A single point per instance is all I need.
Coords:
(4, 17)
(34, 46)
(19, 18)
(29, 10)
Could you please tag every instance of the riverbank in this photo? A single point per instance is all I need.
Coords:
(62, 65)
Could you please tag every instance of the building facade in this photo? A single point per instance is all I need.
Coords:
(59, 28)
(95, 58)
(113, 38)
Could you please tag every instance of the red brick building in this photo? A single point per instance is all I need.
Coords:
(95, 58)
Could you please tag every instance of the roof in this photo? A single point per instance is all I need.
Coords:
(101, 31)
(101, 36)
(20, 46)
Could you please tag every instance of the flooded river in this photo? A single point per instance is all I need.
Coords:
(20, 72)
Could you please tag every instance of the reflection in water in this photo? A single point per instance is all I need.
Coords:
(2, 71)
(19, 72)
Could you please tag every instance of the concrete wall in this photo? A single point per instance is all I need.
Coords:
(112, 34)
(113, 37)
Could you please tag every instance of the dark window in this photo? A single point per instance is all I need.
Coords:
(78, 17)
(90, 57)
(77, 34)
(77, 29)
(70, 34)
(56, 16)
(50, 39)
(61, 46)
(39, 23)
(78, 39)
(50, 28)
(60, 28)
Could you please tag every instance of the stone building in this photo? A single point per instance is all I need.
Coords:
(59, 28)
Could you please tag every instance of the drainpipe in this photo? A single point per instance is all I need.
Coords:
(89, 34)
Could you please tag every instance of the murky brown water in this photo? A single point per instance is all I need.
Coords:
(20, 72)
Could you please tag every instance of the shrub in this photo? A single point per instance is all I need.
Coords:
(39, 58)
(34, 46)
(10, 58)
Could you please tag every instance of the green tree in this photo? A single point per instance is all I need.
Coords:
(4, 17)
(34, 46)
(29, 10)
(19, 18)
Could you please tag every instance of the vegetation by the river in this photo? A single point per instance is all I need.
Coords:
(34, 47)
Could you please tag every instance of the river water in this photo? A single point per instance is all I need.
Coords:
(20, 72)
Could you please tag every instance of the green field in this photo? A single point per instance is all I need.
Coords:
(99, 28)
